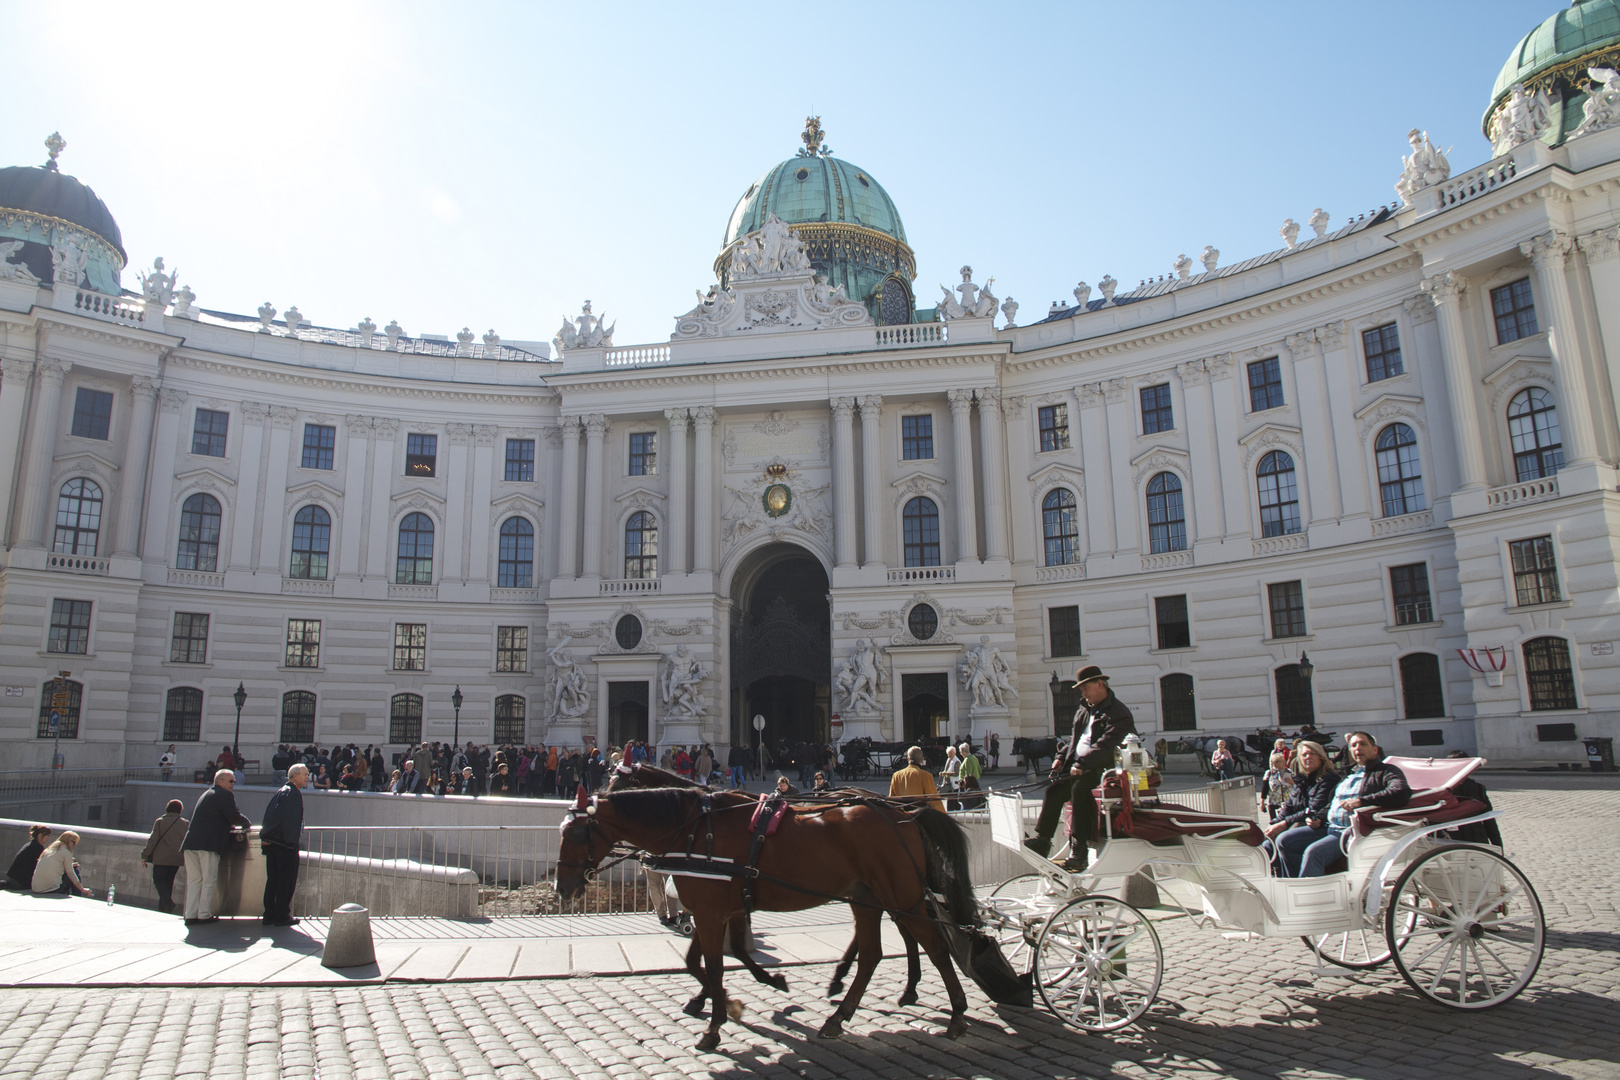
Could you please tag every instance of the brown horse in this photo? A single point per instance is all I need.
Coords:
(647, 776)
(872, 856)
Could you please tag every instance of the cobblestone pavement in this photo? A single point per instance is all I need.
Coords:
(1227, 1008)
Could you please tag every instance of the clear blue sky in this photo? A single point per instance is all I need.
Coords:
(492, 165)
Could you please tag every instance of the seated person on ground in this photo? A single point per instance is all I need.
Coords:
(21, 874)
(56, 872)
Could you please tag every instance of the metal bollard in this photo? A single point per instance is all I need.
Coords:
(348, 939)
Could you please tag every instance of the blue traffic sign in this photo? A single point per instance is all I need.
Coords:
(56, 719)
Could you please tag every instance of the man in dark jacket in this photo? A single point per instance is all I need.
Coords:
(208, 838)
(1373, 782)
(278, 840)
(1100, 726)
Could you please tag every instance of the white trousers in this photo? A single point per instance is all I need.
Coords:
(202, 873)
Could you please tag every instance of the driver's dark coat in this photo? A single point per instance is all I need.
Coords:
(1109, 721)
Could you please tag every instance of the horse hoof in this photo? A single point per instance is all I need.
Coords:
(707, 1044)
(956, 1028)
(833, 1028)
(778, 982)
(908, 998)
(695, 1007)
(836, 988)
(734, 1008)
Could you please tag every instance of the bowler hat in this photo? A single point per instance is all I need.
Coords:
(1087, 674)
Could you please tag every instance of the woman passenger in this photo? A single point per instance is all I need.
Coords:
(1305, 813)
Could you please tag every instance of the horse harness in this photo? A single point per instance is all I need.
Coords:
(769, 813)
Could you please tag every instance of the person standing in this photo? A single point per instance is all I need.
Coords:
(1100, 726)
(737, 761)
(914, 780)
(167, 762)
(209, 837)
(162, 852)
(278, 839)
(967, 776)
(995, 751)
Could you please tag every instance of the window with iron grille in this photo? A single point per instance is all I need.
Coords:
(1061, 527)
(1420, 686)
(1167, 520)
(199, 535)
(1279, 495)
(208, 432)
(1063, 627)
(1514, 307)
(70, 627)
(298, 717)
(1400, 476)
(643, 453)
(303, 643)
(1382, 347)
(421, 455)
(1265, 385)
(414, 564)
(68, 714)
(405, 719)
(641, 546)
(410, 646)
(920, 522)
(1287, 609)
(189, 642)
(520, 460)
(92, 414)
(319, 441)
(1295, 706)
(1535, 571)
(1538, 446)
(516, 569)
(1409, 586)
(1551, 676)
(1170, 619)
(511, 648)
(78, 518)
(1176, 702)
(182, 715)
(916, 437)
(311, 543)
(1157, 414)
(1054, 427)
(510, 729)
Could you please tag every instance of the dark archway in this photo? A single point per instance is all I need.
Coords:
(781, 648)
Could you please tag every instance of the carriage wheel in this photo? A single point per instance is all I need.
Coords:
(1098, 964)
(1013, 930)
(1358, 950)
(1472, 925)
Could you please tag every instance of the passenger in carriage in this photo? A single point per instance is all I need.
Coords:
(1306, 810)
(1373, 782)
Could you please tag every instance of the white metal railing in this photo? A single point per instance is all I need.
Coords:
(635, 355)
(1276, 545)
(413, 592)
(1488, 177)
(77, 564)
(1405, 523)
(306, 587)
(1167, 560)
(629, 586)
(1069, 572)
(1527, 492)
(896, 337)
(103, 306)
(199, 578)
(923, 573)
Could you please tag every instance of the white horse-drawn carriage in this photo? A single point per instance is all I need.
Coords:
(1462, 923)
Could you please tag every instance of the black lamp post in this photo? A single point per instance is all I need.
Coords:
(240, 697)
(1306, 669)
(456, 699)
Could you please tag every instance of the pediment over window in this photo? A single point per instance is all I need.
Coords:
(314, 489)
(1510, 377)
(203, 477)
(1386, 408)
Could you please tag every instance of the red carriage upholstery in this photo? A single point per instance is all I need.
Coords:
(1166, 822)
(1426, 808)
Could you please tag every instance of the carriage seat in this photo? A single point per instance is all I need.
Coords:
(1169, 822)
(1432, 803)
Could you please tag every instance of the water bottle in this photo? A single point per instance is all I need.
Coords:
(112, 892)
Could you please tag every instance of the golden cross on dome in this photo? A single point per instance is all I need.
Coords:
(55, 144)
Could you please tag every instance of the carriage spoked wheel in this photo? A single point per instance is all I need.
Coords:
(1358, 950)
(1011, 926)
(1465, 927)
(1098, 964)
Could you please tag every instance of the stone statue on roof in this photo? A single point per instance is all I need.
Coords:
(1424, 167)
(977, 302)
(157, 286)
(584, 332)
(14, 271)
(1602, 109)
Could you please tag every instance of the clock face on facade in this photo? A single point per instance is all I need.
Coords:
(778, 500)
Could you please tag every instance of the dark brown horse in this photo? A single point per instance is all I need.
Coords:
(872, 856)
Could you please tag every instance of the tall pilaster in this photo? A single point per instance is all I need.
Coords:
(872, 478)
(703, 502)
(993, 453)
(596, 426)
(34, 524)
(357, 439)
(1446, 291)
(1548, 252)
(967, 517)
(1339, 376)
(453, 560)
(132, 484)
(483, 477)
(1320, 464)
(380, 538)
(164, 445)
(14, 376)
(272, 559)
(244, 524)
(1121, 433)
(675, 558)
(1094, 461)
(568, 511)
(1602, 250)
(843, 411)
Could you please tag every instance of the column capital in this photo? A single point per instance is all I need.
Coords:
(1114, 390)
(254, 412)
(871, 408)
(961, 400)
(1446, 287)
(144, 388)
(570, 427)
(53, 369)
(1300, 344)
(1191, 373)
(353, 424)
(843, 409)
(283, 416)
(1550, 249)
(16, 368)
(1013, 406)
(459, 433)
(1219, 366)
(1088, 394)
(1601, 246)
(596, 425)
(678, 419)
(989, 399)
(484, 434)
(1332, 335)
(1420, 308)
(386, 427)
(703, 416)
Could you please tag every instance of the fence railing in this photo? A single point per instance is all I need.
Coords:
(35, 792)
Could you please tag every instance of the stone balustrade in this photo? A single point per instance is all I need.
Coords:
(1527, 492)
(899, 337)
(78, 564)
(629, 586)
(923, 573)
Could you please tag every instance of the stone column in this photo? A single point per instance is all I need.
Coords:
(872, 478)
(568, 509)
(273, 518)
(13, 420)
(1121, 433)
(596, 426)
(1446, 291)
(1339, 375)
(453, 555)
(843, 411)
(164, 445)
(703, 502)
(674, 557)
(380, 536)
(1227, 404)
(1321, 467)
(483, 476)
(992, 450)
(1602, 250)
(132, 484)
(1208, 514)
(1549, 252)
(356, 437)
(243, 520)
(34, 524)
(1099, 472)
(967, 517)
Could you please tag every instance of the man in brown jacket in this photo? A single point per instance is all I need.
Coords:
(914, 779)
(162, 852)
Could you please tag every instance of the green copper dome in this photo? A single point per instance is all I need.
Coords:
(815, 188)
(1554, 57)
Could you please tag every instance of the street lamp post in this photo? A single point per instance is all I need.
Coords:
(240, 697)
(456, 699)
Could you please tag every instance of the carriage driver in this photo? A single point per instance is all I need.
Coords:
(1100, 726)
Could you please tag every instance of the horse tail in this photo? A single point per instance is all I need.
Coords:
(946, 852)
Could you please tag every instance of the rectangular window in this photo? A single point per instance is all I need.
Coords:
(421, 455)
(643, 453)
(1177, 702)
(70, 627)
(510, 729)
(1410, 587)
(189, 645)
(92, 414)
(298, 717)
(208, 432)
(1054, 427)
(1420, 686)
(182, 715)
(1170, 616)
(1265, 385)
(916, 437)
(1287, 609)
(1064, 627)
(1382, 347)
(1157, 414)
(1515, 310)
(410, 646)
(319, 439)
(63, 697)
(1535, 571)
(511, 648)
(303, 643)
(520, 460)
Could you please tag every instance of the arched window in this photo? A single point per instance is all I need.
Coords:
(199, 534)
(1400, 475)
(67, 715)
(1279, 495)
(1167, 521)
(78, 518)
(517, 554)
(1551, 676)
(510, 729)
(1538, 448)
(182, 715)
(311, 544)
(405, 719)
(1062, 530)
(1176, 702)
(1295, 706)
(415, 563)
(641, 546)
(921, 532)
(298, 717)
(1420, 686)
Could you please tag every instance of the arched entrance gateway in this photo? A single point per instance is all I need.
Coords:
(781, 647)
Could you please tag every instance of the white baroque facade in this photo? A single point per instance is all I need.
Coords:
(1391, 446)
